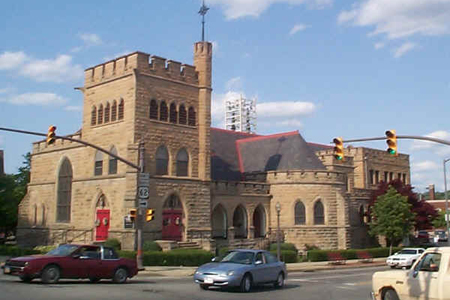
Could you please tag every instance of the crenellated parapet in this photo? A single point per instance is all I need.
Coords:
(143, 63)
(306, 177)
(239, 188)
(41, 146)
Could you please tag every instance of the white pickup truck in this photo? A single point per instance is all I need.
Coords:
(428, 279)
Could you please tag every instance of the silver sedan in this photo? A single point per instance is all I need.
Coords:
(242, 268)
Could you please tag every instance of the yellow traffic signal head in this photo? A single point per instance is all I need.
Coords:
(391, 140)
(132, 213)
(338, 148)
(51, 135)
(150, 215)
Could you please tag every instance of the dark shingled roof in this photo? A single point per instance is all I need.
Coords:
(318, 147)
(234, 153)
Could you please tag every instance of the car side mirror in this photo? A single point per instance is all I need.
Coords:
(258, 262)
(214, 259)
(77, 255)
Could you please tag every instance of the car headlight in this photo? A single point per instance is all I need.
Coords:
(230, 273)
(26, 264)
(198, 272)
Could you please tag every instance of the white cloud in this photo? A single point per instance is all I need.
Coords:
(234, 83)
(1, 140)
(400, 18)
(379, 45)
(297, 28)
(36, 99)
(73, 108)
(440, 134)
(12, 60)
(427, 165)
(285, 109)
(215, 46)
(59, 69)
(90, 39)
(7, 90)
(234, 9)
(406, 47)
(117, 55)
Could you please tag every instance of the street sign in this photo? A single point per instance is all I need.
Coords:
(143, 203)
(143, 192)
(144, 179)
(127, 222)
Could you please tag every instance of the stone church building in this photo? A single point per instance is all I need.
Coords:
(208, 186)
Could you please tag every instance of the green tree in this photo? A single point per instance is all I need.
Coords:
(12, 190)
(392, 216)
(440, 220)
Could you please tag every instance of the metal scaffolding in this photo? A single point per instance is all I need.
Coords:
(240, 115)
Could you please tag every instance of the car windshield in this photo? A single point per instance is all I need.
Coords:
(408, 251)
(239, 257)
(63, 250)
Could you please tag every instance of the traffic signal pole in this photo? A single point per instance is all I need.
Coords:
(139, 222)
(407, 137)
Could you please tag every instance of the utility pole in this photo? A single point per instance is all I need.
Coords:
(139, 221)
(446, 202)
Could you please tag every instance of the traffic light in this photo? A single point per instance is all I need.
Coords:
(51, 135)
(132, 214)
(391, 140)
(338, 148)
(149, 215)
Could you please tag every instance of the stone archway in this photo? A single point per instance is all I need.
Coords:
(172, 226)
(240, 222)
(219, 222)
(259, 221)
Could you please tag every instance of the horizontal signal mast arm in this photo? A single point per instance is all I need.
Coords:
(406, 137)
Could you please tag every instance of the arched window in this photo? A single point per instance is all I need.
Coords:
(64, 192)
(100, 114)
(191, 116)
(182, 115)
(162, 161)
(107, 111)
(43, 221)
(163, 111)
(94, 115)
(153, 110)
(173, 113)
(182, 163)
(98, 169)
(112, 162)
(114, 111)
(299, 213)
(240, 222)
(121, 110)
(319, 217)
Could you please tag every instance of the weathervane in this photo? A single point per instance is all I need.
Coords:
(203, 10)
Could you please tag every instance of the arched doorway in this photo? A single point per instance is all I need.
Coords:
(259, 222)
(102, 218)
(219, 222)
(172, 228)
(240, 222)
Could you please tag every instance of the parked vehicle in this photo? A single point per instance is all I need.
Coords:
(442, 235)
(73, 261)
(404, 258)
(428, 278)
(423, 234)
(242, 268)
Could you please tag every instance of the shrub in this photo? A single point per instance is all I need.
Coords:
(127, 254)
(321, 255)
(223, 251)
(283, 246)
(151, 246)
(179, 257)
(311, 247)
(44, 249)
(112, 242)
(14, 251)
(287, 256)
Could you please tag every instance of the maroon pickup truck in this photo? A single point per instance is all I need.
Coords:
(73, 261)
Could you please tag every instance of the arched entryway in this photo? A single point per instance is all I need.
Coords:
(240, 223)
(172, 227)
(102, 219)
(259, 221)
(219, 222)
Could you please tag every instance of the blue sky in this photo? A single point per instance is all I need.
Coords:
(324, 67)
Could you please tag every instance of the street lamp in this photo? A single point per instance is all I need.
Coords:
(278, 208)
(446, 201)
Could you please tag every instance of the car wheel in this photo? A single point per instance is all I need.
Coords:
(392, 267)
(25, 278)
(203, 286)
(246, 283)
(50, 274)
(120, 276)
(94, 279)
(280, 281)
(390, 295)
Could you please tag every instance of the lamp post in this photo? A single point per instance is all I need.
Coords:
(446, 201)
(278, 208)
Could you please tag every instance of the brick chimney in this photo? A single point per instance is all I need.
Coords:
(431, 192)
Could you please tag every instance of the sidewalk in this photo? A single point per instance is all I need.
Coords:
(160, 271)
(181, 271)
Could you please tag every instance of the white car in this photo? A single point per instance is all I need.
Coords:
(404, 258)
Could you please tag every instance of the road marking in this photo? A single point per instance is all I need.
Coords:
(324, 277)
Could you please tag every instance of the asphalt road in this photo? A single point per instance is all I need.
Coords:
(340, 284)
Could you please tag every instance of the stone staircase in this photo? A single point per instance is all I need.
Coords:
(189, 245)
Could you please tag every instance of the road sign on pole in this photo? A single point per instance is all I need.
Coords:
(143, 203)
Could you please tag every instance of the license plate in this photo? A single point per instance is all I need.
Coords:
(209, 280)
(6, 270)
